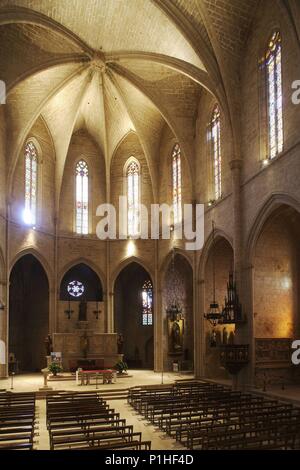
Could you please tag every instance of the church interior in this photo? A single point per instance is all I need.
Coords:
(132, 342)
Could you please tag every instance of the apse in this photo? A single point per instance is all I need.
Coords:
(28, 315)
(134, 315)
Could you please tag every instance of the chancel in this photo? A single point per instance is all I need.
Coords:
(110, 322)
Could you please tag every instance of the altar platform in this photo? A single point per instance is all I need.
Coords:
(87, 349)
(32, 382)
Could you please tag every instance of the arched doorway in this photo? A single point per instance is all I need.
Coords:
(220, 256)
(133, 314)
(276, 271)
(178, 288)
(28, 313)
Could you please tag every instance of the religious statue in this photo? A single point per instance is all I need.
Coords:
(213, 339)
(175, 332)
(84, 345)
(225, 336)
(82, 316)
(176, 337)
(48, 345)
(120, 342)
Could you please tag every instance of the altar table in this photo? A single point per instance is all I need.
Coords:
(86, 375)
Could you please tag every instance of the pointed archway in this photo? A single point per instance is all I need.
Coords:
(177, 288)
(276, 274)
(131, 318)
(28, 313)
(218, 265)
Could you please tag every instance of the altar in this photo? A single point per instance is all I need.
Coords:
(96, 350)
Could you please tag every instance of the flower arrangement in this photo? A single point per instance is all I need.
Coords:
(121, 367)
(54, 368)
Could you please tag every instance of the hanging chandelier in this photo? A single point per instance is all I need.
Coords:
(232, 312)
(214, 316)
(174, 310)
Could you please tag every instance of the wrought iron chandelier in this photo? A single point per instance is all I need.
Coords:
(174, 310)
(214, 316)
(232, 312)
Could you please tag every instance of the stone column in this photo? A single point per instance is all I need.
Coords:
(109, 310)
(243, 334)
(4, 328)
(158, 317)
(54, 296)
(236, 166)
(110, 324)
(199, 330)
(52, 311)
(248, 272)
(196, 319)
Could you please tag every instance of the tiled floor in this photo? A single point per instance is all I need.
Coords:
(32, 382)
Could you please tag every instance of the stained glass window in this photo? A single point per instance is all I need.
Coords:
(133, 198)
(147, 296)
(274, 86)
(75, 288)
(82, 197)
(176, 183)
(215, 137)
(31, 157)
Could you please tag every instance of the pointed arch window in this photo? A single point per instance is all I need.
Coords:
(147, 297)
(133, 198)
(82, 197)
(31, 160)
(274, 95)
(215, 138)
(176, 184)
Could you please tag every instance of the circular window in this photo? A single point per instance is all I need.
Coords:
(75, 288)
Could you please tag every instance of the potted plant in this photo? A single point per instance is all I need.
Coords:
(121, 367)
(54, 368)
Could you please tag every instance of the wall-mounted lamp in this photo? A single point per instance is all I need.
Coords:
(265, 162)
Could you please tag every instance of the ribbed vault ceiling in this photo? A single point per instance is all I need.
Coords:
(108, 66)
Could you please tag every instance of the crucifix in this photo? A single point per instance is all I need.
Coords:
(69, 312)
(97, 311)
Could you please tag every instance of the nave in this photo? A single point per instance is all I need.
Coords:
(182, 413)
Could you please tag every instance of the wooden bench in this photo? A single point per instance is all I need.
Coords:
(17, 418)
(88, 422)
